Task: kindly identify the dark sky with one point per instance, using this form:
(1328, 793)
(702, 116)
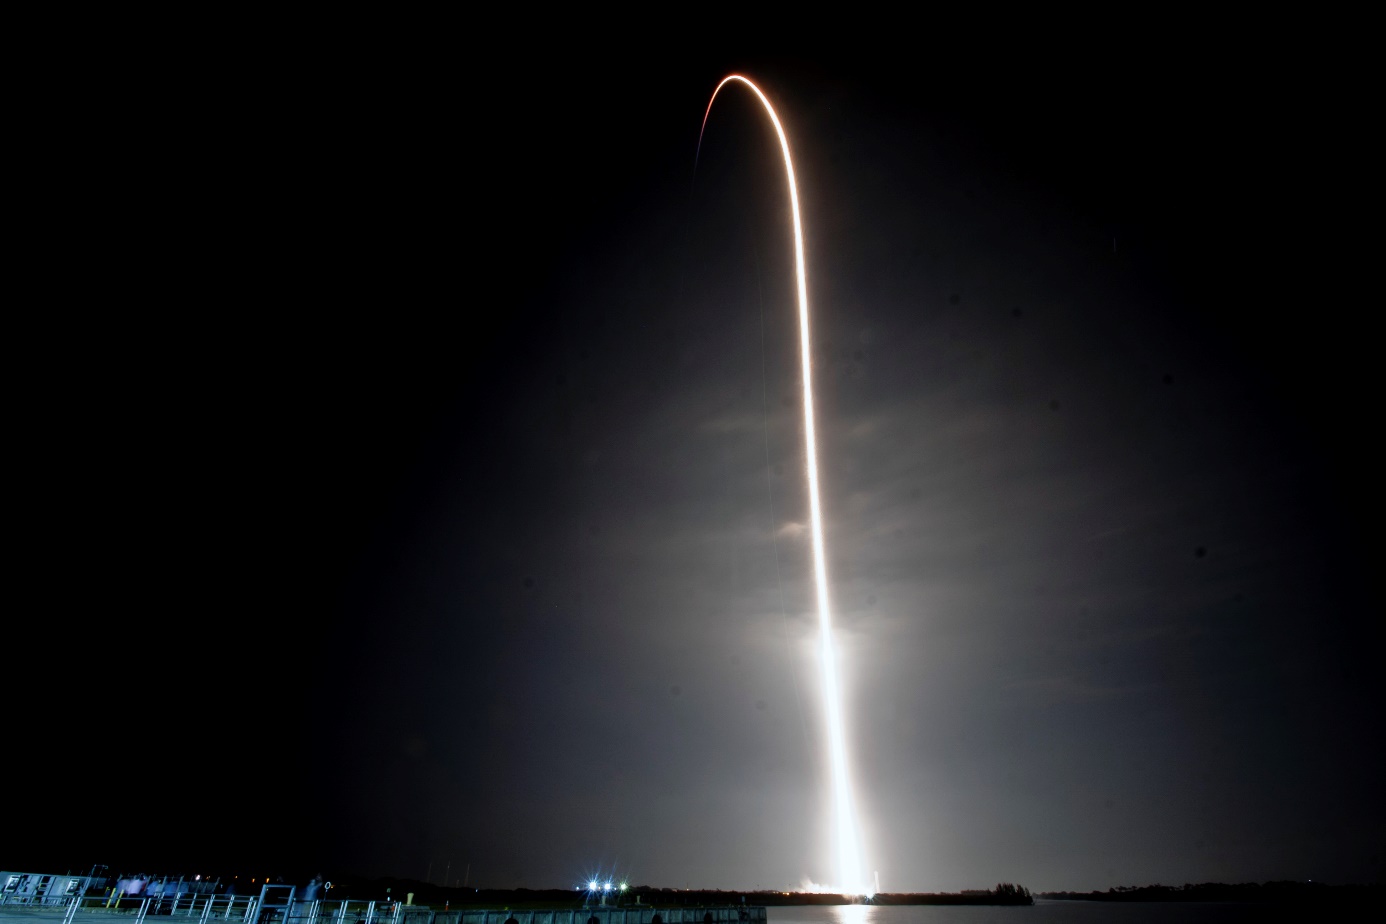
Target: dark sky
(410, 469)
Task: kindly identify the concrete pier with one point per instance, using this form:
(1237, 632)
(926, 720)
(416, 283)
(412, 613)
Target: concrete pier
(93, 911)
(36, 898)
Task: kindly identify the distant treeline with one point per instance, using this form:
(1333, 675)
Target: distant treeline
(1287, 892)
(1005, 893)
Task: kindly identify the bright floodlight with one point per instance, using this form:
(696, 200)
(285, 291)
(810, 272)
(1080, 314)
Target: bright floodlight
(592, 886)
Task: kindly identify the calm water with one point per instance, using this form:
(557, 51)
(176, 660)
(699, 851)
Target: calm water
(1041, 912)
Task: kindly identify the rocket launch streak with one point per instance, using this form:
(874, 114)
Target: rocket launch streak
(851, 873)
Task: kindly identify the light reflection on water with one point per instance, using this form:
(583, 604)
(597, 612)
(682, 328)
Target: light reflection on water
(1042, 912)
(856, 914)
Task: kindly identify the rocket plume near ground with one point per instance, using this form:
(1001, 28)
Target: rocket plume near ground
(851, 877)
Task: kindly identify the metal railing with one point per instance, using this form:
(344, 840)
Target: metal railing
(208, 909)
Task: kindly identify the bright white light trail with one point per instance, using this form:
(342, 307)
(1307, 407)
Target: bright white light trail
(851, 871)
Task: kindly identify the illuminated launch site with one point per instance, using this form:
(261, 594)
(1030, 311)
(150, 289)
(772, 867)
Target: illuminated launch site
(846, 840)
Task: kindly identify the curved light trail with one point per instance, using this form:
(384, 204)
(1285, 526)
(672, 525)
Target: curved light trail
(851, 876)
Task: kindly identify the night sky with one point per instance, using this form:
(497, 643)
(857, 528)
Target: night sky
(409, 471)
